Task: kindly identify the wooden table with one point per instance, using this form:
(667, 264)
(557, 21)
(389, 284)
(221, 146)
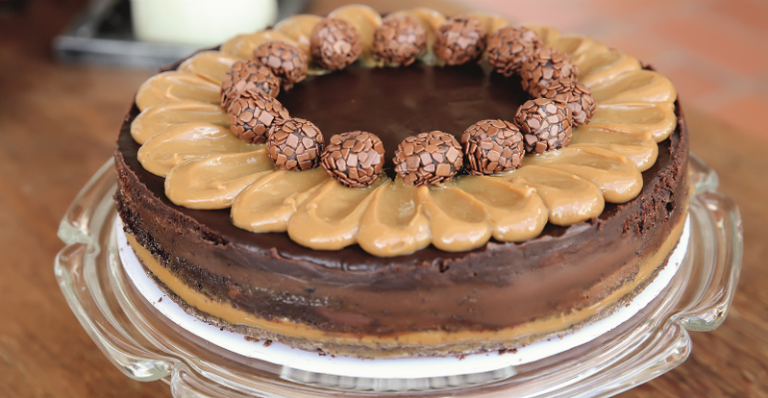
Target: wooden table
(58, 124)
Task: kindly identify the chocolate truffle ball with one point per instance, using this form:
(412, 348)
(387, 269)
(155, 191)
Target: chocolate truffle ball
(354, 159)
(545, 125)
(545, 65)
(248, 75)
(286, 61)
(492, 147)
(428, 158)
(334, 43)
(252, 114)
(575, 95)
(510, 47)
(295, 144)
(399, 40)
(460, 40)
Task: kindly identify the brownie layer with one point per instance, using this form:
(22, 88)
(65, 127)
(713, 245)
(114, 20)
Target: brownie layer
(497, 286)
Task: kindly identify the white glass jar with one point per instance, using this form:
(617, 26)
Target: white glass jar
(200, 23)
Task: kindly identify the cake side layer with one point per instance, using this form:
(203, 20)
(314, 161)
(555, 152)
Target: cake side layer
(496, 286)
(426, 343)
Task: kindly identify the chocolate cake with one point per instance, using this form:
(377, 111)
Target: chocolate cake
(345, 251)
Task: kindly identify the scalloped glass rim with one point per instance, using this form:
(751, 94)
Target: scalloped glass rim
(146, 347)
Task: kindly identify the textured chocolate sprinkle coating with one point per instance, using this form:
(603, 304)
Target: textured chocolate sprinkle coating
(399, 40)
(252, 114)
(428, 158)
(575, 95)
(492, 147)
(510, 47)
(545, 65)
(247, 75)
(334, 43)
(545, 125)
(355, 159)
(286, 61)
(295, 144)
(460, 40)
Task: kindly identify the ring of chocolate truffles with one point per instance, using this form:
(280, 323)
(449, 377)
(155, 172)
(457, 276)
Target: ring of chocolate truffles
(492, 147)
(428, 158)
(334, 43)
(510, 47)
(575, 95)
(286, 61)
(252, 114)
(295, 144)
(399, 40)
(545, 65)
(247, 75)
(460, 40)
(545, 125)
(355, 159)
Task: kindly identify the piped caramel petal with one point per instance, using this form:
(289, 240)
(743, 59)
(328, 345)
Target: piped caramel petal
(394, 224)
(548, 34)
(491, 22)
(640, 86)
(174, 86)
(268, 204)
(516, 212)
(458, 221)
(431, 20)
(214, 181)
(330, 219)
(659, 119)
(569, 198)
(640, 148)
(578, 47)
(601, 67)
(616, 176)
(365, 19)
(242, 46)
(163, 116)
(298, 28)
(186, 142)
(210, 65)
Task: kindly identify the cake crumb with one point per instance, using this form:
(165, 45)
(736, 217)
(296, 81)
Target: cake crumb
(251, 339)
(267, 343)
(507, 351)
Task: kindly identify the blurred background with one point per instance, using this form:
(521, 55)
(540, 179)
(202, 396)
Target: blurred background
(69, 69)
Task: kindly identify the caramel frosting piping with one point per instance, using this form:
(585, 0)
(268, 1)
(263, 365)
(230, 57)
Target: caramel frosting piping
(186, 142)
(163, 116)
(213, 182)
(268, 204)
(242, 46)
(603, 164)
(637, 118)
(174, 86)
(210, 65)
(427, 338)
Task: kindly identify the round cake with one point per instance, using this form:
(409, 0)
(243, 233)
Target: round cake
(406, 185)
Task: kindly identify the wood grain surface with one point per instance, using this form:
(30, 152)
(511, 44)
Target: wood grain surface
(58, 124)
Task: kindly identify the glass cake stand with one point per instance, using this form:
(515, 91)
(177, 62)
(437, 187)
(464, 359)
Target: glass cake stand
(146, 346)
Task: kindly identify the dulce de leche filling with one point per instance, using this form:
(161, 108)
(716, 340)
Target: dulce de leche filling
(425, 338)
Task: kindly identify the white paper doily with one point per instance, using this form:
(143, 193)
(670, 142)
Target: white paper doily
(402, 368)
